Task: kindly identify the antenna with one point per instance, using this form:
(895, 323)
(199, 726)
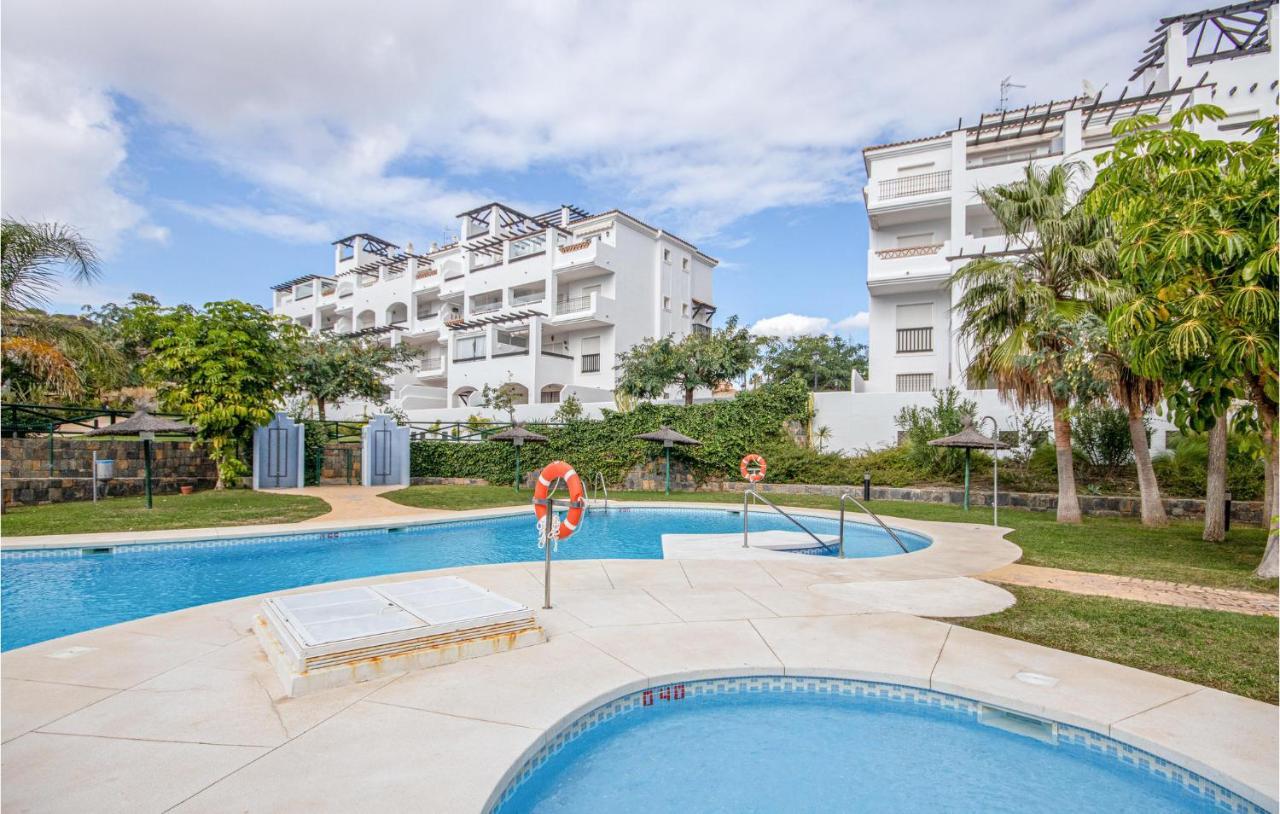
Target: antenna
(1005, 85)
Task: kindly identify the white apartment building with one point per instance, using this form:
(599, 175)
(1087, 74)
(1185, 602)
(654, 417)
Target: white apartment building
(539, 304)
(927, 221)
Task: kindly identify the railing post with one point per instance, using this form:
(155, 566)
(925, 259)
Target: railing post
(842, 497)
(546, 540)
(745, 509)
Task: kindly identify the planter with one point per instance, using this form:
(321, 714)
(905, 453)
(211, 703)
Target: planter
(186, 490)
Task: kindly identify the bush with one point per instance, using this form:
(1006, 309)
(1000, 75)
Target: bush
(728, 430)
(1183, 469)
(921, 425)
(1101, 434)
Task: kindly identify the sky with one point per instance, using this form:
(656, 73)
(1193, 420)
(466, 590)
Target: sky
(211, 150)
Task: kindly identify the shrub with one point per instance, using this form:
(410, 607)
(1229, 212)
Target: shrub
(1101, 434)
(1182, 470)
(921, 425)
(569, 410)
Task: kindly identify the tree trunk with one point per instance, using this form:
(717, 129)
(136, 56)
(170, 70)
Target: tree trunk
(320, 407)
(1068, 502)
(1270, 565)
(1216, 487)
(1148, 488)
(688, 396)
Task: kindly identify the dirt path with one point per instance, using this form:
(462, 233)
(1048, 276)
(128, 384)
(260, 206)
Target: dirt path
(1140, 590)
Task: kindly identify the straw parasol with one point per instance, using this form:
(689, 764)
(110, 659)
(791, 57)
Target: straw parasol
(968, 439)
(518, 436)
(145, 426)
(668, 438)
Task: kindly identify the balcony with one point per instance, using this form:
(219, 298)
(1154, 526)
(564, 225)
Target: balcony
(915, 340)
(431, 367)
(485, 307)
(583, 258)
(912, 185)
(573, 304)
(909, 251)
(592, 310)
(528, 299)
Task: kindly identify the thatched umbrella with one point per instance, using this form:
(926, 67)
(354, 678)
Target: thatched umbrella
(518, 436)
(145, 426)
(669, 438)
(968, 439)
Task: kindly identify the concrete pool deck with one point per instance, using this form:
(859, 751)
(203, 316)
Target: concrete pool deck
(182, 712)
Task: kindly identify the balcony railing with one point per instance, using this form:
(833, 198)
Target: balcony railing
(486, 307)
(909, 251)
(526, 299)
(590, 363)
(922, 184)
(573, 247)
(573, 304)
(915, 340)
(424, 273)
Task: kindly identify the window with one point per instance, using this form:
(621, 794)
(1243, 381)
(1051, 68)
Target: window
(684, 263)
(511, 343)
(915, 327)
(591, 354)
(684, 309)
(914, 382)
(666, 255)
(666, 303)
(913, 240)
(466, 348)
(550, 394)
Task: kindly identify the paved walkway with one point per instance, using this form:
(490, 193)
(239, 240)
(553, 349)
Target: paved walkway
(360, 503)
(1140, 590)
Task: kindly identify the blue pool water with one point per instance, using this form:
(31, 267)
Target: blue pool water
(773, 744)
(50, 594)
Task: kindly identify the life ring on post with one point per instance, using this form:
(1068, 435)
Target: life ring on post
(754, 475)
(559, 470)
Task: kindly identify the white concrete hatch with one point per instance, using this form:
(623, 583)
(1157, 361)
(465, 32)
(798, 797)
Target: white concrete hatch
(338, 637)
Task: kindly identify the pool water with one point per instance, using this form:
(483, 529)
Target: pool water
(828, 745)
(50, 594)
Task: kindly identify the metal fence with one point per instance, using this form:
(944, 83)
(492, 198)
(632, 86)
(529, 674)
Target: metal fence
(22, 420)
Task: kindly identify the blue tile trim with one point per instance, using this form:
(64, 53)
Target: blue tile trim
(1222, 798)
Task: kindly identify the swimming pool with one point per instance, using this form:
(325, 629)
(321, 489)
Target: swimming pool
(52, 593)
(773, 743)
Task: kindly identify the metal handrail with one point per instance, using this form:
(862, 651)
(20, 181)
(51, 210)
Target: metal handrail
(598, 478)
(874, 516)
(745, 512)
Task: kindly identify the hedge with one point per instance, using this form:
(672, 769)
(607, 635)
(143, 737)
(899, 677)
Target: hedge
(728, 429)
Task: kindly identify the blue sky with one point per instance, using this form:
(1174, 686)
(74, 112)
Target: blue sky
(212, 151)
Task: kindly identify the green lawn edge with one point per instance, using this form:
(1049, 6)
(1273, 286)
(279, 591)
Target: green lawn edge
(207, 509)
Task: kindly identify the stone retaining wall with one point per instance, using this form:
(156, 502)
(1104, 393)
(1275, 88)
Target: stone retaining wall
(341, 464)
(1242, 511)
(26, 477)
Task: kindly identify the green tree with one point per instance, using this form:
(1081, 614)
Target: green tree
(1195, 221)
(920, 425)
(226, 369)
(1021, 307)
(647, 370)
(830, 358)
(569, 410)
(46, 356)
(500, 398)
(329, 368)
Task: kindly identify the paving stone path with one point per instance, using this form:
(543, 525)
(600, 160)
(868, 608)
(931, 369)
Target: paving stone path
(1141, 590)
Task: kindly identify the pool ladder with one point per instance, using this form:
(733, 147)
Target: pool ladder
(874, 516)
(746, 511)
(751, 493)
(598, 485)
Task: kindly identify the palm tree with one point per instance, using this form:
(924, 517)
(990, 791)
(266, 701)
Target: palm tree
(1021, 307)
(1135, 394)
(34, 257)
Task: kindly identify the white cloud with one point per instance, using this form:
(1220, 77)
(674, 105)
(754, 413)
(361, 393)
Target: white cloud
(854, 322)
(330, 114)
(247, 219)
(786, 326)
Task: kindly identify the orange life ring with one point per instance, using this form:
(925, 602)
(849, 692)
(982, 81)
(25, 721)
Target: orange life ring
(758, 474)
(577, 503)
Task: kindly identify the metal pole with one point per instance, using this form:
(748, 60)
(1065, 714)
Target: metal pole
(668, 451)
(966, 479)
(745, 509)
(995, 467)
(95, 476)
(866, 485)
(546, 578)
(517, 483)
(51, 449)
(146, 465)
(842, 527)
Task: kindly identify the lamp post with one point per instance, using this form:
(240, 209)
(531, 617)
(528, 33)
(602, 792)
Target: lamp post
(995, 468)
(517, 443)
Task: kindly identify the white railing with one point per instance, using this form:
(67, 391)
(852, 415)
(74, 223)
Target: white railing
(573, 305)
(486, 307)
(909, 251)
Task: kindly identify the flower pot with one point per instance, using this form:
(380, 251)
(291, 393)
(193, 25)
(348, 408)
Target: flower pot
(186, 490)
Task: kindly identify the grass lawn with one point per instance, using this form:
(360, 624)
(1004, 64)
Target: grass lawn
(232, 507)
(1230, 651)
(1101, 544)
